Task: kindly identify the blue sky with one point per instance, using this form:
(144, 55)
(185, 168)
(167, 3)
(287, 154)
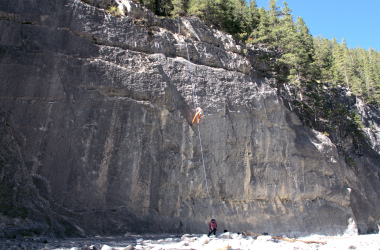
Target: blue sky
(357, 21)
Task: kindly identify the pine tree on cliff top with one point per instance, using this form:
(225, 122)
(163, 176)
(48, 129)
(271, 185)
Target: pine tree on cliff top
(262, 33)
(323, 59)
(356, 69)
(180, 8)
(254, 17)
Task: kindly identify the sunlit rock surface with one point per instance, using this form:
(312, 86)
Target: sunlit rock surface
(97, 135)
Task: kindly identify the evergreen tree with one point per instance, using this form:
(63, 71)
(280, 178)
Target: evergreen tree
(348, 64)
(343, 66)
(323, 59)
(274, 14)
(159, 7)
(209, 13)
(357, 76)
(226, 16)
(287, 31)
(180, 8)
(304, 61)
(373, 76)
(298, 51)
(263, 31)
(307, 50)
(287, 38)
(375, 57)
(242, 20)
(253, 16)
(338, 56)
(197, 8)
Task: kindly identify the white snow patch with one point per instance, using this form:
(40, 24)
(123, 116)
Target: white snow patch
(352, 229)
(238, 241)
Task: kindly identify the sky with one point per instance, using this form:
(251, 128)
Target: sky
(357, 21)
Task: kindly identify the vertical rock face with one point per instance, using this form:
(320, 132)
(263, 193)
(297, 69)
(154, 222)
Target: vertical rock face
(102, 108)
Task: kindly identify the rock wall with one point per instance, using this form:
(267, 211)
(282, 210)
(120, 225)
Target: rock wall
(98, 109)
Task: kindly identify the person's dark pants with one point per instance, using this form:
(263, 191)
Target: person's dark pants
(212, 231)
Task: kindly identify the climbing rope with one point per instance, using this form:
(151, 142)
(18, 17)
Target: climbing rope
(199, 132)
(191, 80)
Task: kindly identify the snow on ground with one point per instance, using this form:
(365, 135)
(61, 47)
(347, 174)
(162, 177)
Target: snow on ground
(232, 241)
(238, 241)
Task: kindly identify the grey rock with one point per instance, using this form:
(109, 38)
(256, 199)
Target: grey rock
(97, 135)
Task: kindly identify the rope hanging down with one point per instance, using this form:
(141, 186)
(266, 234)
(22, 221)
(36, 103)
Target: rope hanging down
(199, 132)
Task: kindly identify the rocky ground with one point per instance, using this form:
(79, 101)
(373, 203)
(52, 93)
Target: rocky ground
(220, 241)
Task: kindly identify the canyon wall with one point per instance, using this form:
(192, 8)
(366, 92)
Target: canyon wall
(97, 138)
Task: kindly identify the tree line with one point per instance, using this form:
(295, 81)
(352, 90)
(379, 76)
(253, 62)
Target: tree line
(312, 69)
(302, 57)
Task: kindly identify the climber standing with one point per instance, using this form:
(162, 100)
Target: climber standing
(198, 115)
(212, 226)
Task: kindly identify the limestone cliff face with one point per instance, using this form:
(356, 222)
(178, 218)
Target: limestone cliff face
(102, 108)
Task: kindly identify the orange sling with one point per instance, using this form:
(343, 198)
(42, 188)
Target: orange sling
(198, 115)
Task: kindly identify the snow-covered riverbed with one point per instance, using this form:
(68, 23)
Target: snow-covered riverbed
(220, 241)
(236, 241)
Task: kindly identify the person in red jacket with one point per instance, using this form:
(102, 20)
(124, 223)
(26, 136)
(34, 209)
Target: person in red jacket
(212, 226)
